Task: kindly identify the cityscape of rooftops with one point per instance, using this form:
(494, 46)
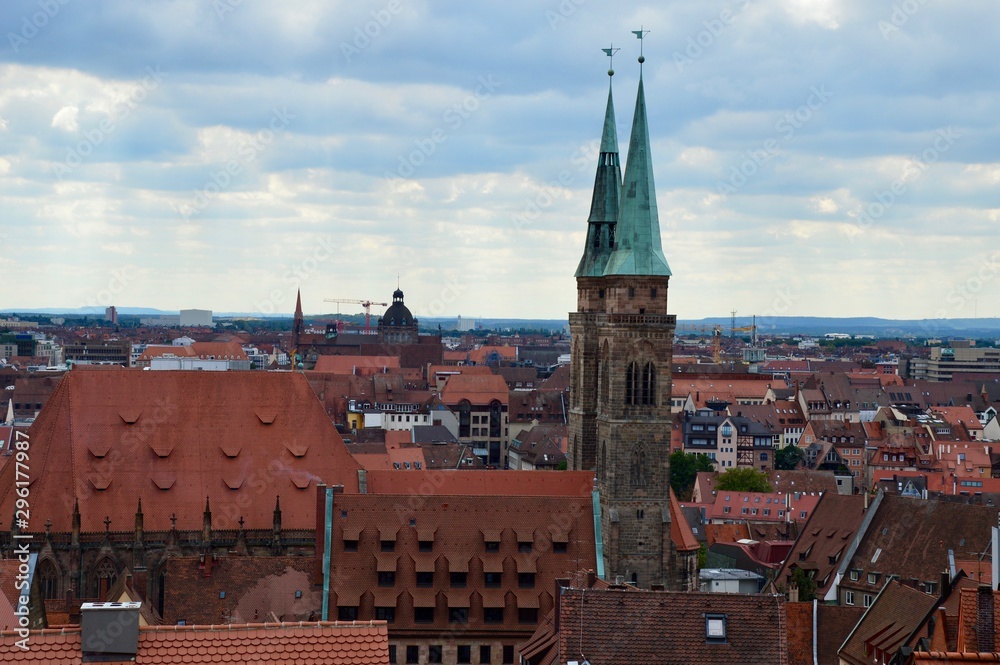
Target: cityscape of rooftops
(340, 332)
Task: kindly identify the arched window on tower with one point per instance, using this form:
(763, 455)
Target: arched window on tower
(577, 357)
(631, 381)
(605, 390)
(648, 388)
(48, 576)
(638, 469)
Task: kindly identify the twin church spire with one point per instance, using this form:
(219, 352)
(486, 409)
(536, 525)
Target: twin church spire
(623, 231)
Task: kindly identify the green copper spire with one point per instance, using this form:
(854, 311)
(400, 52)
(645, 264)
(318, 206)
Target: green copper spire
(606, 199)
(638, 250)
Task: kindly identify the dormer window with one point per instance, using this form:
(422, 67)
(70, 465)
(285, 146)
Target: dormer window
(715, 627)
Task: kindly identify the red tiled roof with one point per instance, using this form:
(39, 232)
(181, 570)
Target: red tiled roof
(825, 538)
(680, 531)
(355, 364)
(617, 626)
(173, 439)
(303, 643)
(481, 483)
(478, 389)
(896, 612)
(217, 350)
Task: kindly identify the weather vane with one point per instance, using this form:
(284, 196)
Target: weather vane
(640, 33)
(610, 52)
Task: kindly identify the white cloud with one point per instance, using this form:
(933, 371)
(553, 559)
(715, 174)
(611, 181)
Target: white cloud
(65, 119)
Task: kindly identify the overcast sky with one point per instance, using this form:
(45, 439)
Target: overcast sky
(812, 157)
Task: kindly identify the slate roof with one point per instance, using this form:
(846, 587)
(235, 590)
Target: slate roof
(108, 438)
(312, 643)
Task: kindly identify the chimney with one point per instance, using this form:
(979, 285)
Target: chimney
(362, 481)
(109, 631)
(984, 619)
(793, 592)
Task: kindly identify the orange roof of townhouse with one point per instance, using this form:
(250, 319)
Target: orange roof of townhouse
(741, 388)
(214, 350)
(433, 370)
(477, 389)
(106, 439)
(487, 352)
(355, 364)
(751, 506)
(308, 643)
(961, 415)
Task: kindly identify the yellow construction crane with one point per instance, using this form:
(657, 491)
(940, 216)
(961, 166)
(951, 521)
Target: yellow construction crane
(367, 304)
(716, 331)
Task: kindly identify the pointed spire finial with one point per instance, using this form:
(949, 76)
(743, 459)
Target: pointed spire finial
(610, 52)
(107, 525)
(173, 521)
(640, 33)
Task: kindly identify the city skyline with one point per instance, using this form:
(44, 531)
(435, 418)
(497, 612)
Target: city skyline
(220, 156)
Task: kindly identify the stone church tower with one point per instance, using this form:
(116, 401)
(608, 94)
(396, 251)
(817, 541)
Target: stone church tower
(622, 350)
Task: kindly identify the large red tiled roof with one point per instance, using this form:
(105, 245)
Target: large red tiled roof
(107, 439)
(481, 483)
(304, 643)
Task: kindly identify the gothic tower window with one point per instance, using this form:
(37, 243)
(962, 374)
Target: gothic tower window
(631, 379)
(638, 469)
(605, 378)
(575, 383)
(648, 396)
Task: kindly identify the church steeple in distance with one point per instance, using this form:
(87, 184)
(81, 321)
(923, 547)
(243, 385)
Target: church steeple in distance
(607, 193)
(638, 249)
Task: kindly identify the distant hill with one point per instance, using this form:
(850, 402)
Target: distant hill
(776, 325)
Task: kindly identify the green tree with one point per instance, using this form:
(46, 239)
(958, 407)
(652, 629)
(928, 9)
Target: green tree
(743, 479)
(806, 584)
(684, 468)
(788, 458)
